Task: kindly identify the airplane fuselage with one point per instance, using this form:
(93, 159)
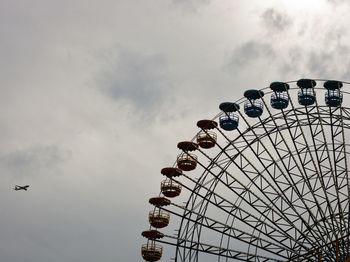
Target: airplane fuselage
(21, 187)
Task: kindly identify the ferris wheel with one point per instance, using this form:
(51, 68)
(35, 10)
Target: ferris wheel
(265, 180)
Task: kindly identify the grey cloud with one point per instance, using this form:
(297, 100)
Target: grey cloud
(190, 5)
(249, 52)
(33, 160)
(134, 78)
(337, 1)
(320, 63)
(275, 21)
(326, 64)
(290, 64)
(327, 55)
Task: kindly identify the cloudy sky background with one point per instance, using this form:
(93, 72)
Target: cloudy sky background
(95, 96)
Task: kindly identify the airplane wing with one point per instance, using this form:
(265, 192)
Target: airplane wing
(17, 187)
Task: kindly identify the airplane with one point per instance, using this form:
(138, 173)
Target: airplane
(17, 187)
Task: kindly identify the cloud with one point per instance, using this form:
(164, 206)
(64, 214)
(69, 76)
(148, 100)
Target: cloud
(191, 6)
(325, 63)
(275, 21)
(136, 79)
(248, 53)
(337, 1)
(33, 160)
(320, 63)
(318, 55)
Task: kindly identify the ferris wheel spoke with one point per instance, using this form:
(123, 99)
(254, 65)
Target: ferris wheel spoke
(279, 217)
(339, 175)
(319, 187)
(193, 204)
(269, 234)
(275, 178)
(242, 215)
(318, 123)
(308, 164)
(327, 170)
(236, 233)
(316, 186)
(346, 164)
(291, 186)
(215, 250)
(303, 166)
(339, 249)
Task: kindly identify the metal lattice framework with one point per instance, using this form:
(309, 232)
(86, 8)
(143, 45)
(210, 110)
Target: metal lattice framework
(276, 188)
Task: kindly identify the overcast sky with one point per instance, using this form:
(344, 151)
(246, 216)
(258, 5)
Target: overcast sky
(95, 96)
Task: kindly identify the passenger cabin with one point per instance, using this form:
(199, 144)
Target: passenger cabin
(279, 99)
(333, 96)
(229, 120)
(253, 107)
(170, 188)
(158, 218)
(187, 161)
(205, 138)
(151, 252)
(306, 96)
